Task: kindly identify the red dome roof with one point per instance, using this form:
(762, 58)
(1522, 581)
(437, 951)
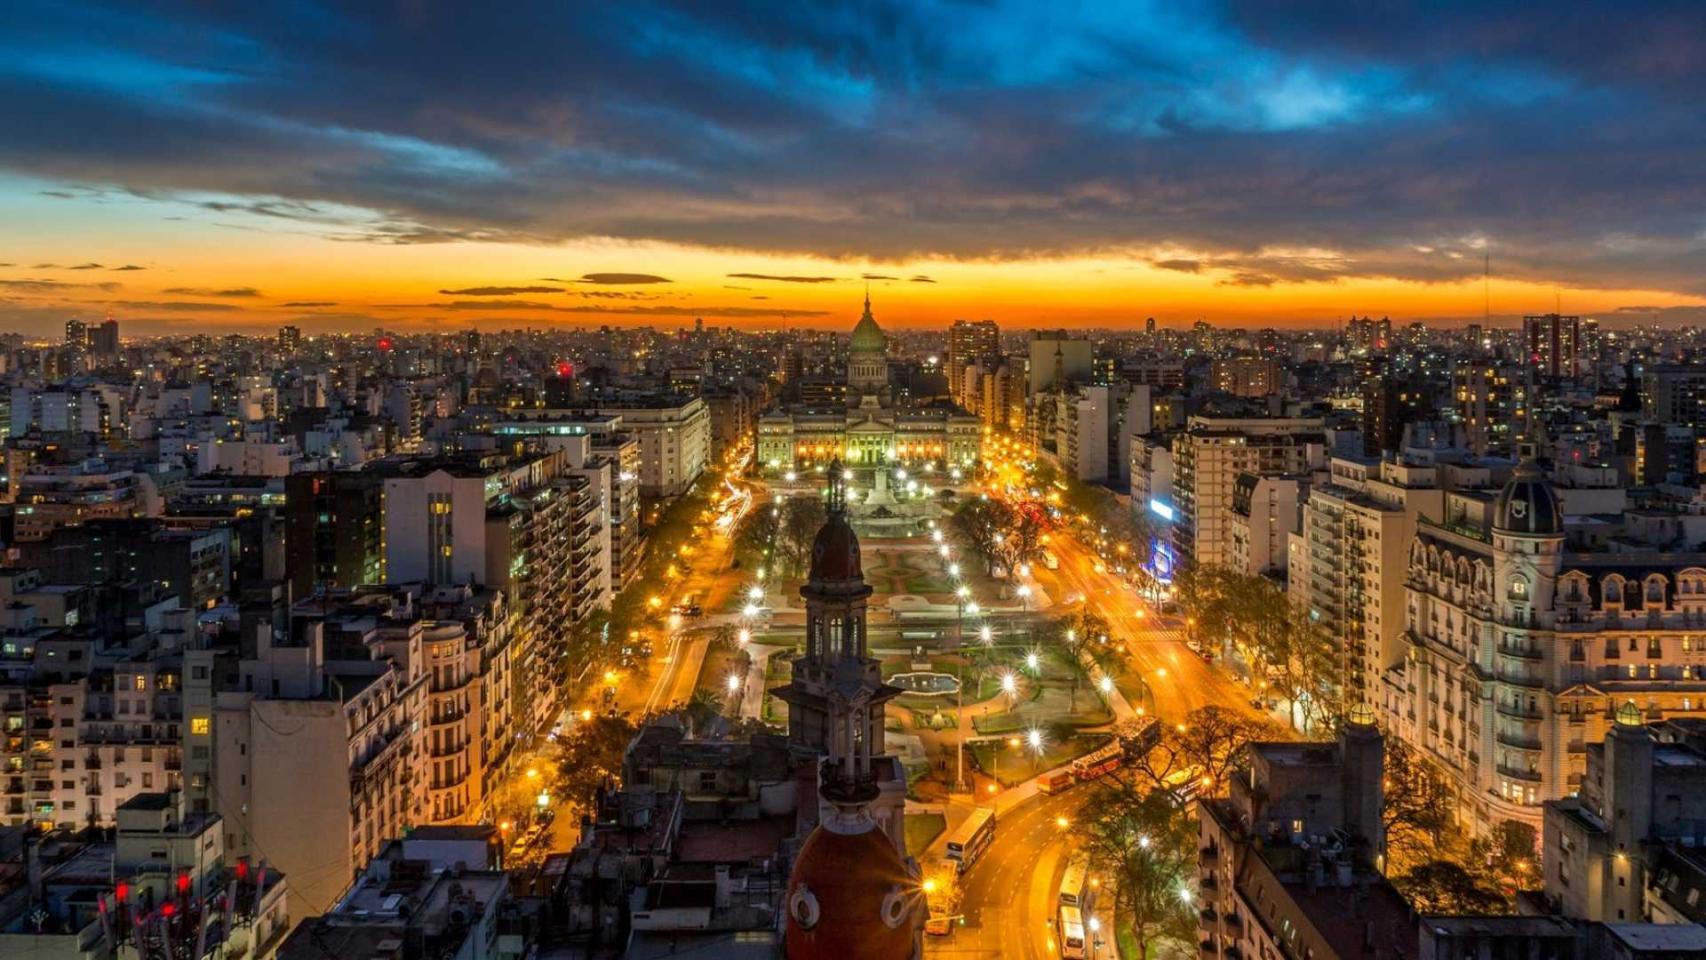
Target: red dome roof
(851, 898)
(835, 552)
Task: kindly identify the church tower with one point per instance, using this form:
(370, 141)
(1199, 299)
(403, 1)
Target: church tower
(836, 696)
(853, 893)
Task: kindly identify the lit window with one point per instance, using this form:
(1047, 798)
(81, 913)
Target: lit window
(201, 726)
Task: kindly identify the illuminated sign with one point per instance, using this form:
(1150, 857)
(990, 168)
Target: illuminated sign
(1161, 510)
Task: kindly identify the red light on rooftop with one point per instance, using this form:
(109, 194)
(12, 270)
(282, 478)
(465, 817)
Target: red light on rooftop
(565, 369)
(385, 344)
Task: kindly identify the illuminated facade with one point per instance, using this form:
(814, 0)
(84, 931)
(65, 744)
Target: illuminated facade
(869, 431)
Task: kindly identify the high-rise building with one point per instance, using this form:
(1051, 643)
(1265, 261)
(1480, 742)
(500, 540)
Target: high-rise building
(104, 340)
(1674, 393)
(1208, 457)
(971, 343)
(1552, 343)
(333, 523)
(289, 339)
(76, 335)
(1246, 376)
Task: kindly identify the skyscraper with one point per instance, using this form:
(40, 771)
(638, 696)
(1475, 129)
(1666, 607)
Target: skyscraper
(1552, 343)
(105, 339)
(970, 342)
(289, 339)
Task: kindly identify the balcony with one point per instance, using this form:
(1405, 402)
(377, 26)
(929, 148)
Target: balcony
(1519, 712)
(1521, 678)
(1525, 651)
(1532, 776)
(1520, 741)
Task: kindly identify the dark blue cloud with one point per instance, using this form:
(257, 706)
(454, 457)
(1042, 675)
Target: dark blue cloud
(1282, 141)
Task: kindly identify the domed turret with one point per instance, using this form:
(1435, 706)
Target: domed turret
(851, 896)
(835, 551)
(867, 336)
(1528, 505)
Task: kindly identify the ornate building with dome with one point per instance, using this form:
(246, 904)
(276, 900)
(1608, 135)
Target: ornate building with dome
(869, 430)
(853, 893)
(1528, 631)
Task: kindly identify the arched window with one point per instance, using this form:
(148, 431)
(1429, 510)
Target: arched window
(1519, 588)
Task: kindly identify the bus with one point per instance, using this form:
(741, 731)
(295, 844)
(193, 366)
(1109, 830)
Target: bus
(1137, 745)
(1050, 784)
(1099, 761)
(1075, 885)
(971, 838)
(1071, 934)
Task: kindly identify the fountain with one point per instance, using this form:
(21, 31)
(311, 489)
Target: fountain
(926, 683)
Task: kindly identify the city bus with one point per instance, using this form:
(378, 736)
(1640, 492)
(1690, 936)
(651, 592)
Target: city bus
(971, 838)
(1071, 934)
(1052, 783)
(1099, 761)
(1075, 885)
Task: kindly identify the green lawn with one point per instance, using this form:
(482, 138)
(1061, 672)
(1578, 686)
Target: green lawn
(720, 661)
(1018, 764)
(921, 829)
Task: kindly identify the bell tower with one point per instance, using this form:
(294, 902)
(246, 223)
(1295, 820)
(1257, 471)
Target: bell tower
(836, 694)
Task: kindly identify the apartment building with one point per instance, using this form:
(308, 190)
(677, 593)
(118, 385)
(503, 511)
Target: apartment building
(1525, 636)
(318, 756)
(77, 744)
(1208, 457)
(1266, 512)
(675, 442)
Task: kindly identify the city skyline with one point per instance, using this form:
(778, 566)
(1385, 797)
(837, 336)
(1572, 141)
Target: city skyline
(209, 171)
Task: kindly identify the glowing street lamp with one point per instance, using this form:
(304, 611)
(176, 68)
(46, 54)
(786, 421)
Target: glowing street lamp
(954, 570)
(942, 551)
(1032, 661)
(972, 608)
(985, 634)
(744, 636)
(750, 610)
(756, 593)
(734, 683)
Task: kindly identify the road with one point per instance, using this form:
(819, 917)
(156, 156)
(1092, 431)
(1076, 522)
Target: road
(1009, 897)
(1177, 680)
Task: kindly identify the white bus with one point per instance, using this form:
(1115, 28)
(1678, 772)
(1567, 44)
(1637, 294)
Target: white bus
(1071, 934)
(1075, 886)
(971, 838)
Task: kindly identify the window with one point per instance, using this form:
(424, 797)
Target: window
(1519, 588)
(201, 726)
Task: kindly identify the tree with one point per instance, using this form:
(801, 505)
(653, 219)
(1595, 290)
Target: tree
(1417, 807)
(977, 524)
(591, 755)
(1148, 844)
(759, 531)
(1021, 539)
(1443, 887)
(802, 518)
(1080, 644)
(1205, 747)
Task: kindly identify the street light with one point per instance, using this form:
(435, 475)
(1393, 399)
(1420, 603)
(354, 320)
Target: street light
(985, 634)
(954, 570)
(756, 593)
(734, 683)
(745, 635)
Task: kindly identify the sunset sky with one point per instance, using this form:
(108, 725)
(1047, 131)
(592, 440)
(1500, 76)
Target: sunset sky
(425, 165)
